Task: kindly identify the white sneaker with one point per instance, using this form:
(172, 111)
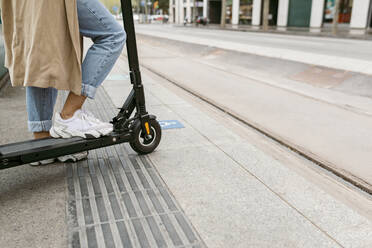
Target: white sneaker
(71, 158)
(43, 162)
(82, 124)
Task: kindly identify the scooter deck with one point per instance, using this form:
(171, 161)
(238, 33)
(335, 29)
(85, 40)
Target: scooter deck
(35, 150)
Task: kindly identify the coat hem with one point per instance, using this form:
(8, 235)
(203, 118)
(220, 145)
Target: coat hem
(58, 86)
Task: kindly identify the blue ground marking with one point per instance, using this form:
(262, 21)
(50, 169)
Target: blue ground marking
(171, 124)
(117, 77)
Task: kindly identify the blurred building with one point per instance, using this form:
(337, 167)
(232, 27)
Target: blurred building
(283, 13)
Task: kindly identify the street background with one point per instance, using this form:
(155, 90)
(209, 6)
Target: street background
(266, 143)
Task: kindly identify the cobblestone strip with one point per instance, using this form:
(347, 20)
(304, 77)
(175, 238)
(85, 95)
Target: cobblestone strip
(117, 199)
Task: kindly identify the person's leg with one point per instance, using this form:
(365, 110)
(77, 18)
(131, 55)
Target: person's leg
(97, 23)
(40, 105)
(72, 104)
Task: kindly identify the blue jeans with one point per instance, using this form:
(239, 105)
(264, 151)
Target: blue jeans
(97, 23)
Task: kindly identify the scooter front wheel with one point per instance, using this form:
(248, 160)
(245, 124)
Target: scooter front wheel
(145, 144)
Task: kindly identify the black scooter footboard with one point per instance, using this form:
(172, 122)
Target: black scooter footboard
(35, 150)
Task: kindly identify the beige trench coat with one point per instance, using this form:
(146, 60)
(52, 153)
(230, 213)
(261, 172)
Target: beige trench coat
(42, 43)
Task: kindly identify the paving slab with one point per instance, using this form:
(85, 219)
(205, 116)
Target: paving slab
(341, 222)
(238, 210)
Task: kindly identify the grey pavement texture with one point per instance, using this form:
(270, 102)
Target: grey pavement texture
(120, 200)
(234, 194)
(330, 126)
(344, 54)
(32, 200)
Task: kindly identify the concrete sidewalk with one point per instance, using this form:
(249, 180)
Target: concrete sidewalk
(32, 199)
(234, 194)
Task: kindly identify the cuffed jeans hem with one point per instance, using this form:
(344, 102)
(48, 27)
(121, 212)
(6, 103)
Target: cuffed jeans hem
(88, 90)
(39, 126)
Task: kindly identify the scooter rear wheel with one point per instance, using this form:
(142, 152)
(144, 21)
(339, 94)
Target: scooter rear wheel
(140, 144)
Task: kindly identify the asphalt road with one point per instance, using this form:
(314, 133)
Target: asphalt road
(349, 55)
(279, 97)
(347, 48)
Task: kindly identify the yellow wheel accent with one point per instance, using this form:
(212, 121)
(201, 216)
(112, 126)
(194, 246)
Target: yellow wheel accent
(147, 128)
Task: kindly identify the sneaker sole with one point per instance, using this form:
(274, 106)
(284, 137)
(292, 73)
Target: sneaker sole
(71, 158)
(43, 162)
(56, 132)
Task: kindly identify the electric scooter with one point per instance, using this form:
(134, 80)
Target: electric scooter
(132, 124)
